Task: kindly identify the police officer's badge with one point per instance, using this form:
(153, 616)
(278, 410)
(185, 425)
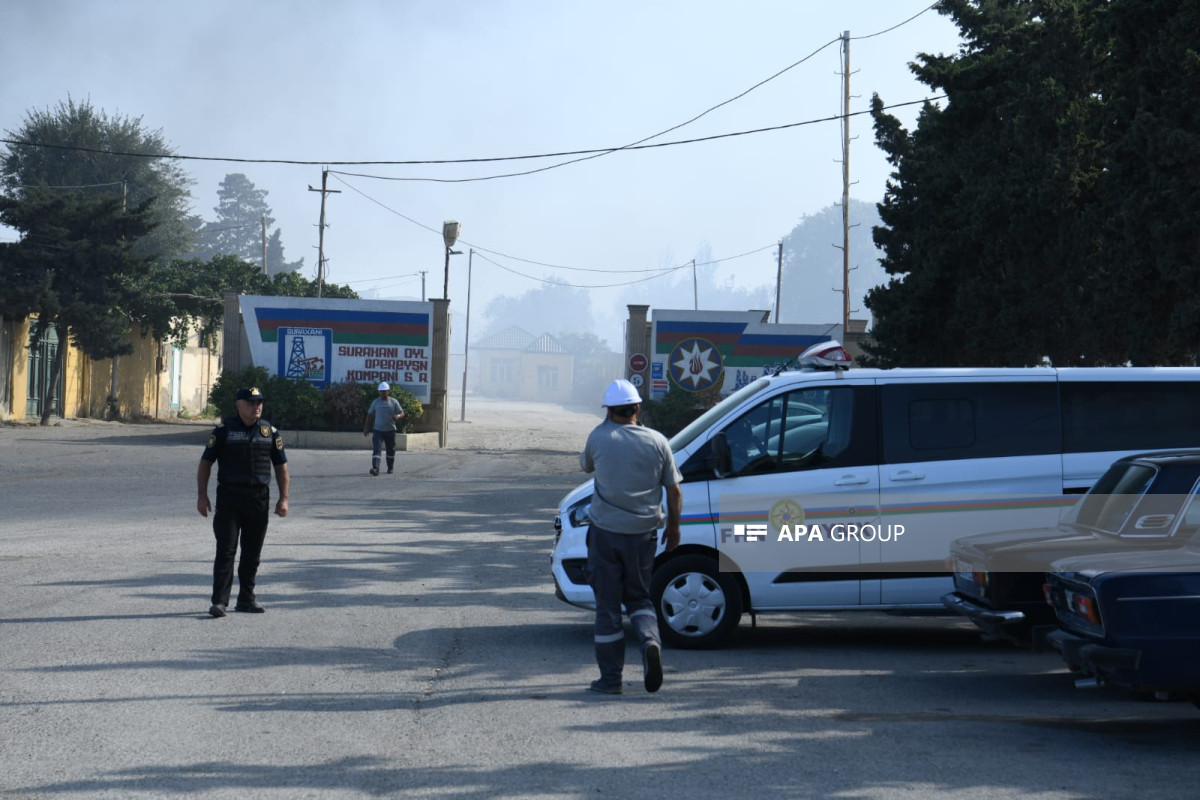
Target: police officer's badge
(265, 430)
(278, 442)
(211, 440)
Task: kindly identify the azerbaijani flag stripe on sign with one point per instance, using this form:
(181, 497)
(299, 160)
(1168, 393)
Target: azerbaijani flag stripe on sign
(351, 327)
(774, 346)
(668, 334)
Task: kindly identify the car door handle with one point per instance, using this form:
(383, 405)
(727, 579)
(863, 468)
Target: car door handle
(906, 475)
(851, 480)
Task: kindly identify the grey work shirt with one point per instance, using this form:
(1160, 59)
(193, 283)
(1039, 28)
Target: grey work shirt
(632, 465)
(384, 411)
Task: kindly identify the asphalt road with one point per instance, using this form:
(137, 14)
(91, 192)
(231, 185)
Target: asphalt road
(412, 646)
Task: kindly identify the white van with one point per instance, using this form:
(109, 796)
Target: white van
(908, 455)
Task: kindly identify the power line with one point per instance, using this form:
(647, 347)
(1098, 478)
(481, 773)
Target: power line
(206, 229)
(481, 249)
(634, 145)
(666, 271)
(662, 272)
(673, 143)
(82, 186)
(384, 278)
(894, 27)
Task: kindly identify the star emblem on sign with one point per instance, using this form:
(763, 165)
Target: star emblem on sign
(696, 364)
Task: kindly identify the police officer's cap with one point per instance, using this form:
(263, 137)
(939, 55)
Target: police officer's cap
(250, 393)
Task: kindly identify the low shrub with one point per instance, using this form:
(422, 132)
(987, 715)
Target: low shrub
(223, 394)
(671, 414)
(298, 405)
(294, 405)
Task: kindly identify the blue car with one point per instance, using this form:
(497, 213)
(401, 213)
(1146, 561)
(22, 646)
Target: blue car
(1130, 620)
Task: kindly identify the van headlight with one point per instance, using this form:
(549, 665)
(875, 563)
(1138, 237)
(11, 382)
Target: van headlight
(578, 514)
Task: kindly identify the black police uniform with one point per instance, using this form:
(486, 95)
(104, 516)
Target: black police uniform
(246, 456)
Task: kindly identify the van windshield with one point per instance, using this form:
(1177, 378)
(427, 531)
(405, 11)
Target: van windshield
(705, 420)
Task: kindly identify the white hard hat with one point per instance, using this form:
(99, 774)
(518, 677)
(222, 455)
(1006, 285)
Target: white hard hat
(383, 387)
(621, 393)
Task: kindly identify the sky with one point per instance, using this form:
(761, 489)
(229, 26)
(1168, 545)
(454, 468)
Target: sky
(424, 80)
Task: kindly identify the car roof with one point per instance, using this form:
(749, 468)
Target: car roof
(1161, 458)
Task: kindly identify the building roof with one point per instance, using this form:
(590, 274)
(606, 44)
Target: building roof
(511, 338)
(546, 344)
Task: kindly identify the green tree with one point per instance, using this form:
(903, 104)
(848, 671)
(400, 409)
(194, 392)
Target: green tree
(186, 295)
(985, 231)
(74, 147)
(550, 307)
(237, 228)
(595, 365)
(77, 267)
(812, 265)
(1149, 191)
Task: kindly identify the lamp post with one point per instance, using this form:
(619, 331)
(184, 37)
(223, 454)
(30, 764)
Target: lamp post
(467, 342)
(450, 229)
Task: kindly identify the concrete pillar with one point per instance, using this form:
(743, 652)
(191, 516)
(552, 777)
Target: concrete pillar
(637, 340)
(437, 413)
(233, 334)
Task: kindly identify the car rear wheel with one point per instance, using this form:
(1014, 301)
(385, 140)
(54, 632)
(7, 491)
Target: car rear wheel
(698, 605)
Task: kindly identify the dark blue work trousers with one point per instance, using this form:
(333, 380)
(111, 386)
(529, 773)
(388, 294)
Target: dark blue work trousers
(621, 565)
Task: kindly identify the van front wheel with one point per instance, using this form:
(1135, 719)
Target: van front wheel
(697, 604)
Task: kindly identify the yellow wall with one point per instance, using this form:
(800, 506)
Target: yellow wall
(143, 391)
(530, 390)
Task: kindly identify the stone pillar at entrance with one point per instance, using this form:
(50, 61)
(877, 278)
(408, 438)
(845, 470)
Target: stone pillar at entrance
(637, 340)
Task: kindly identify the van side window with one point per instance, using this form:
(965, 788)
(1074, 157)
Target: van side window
(949, 421)
(803, 429)
(1149, 415)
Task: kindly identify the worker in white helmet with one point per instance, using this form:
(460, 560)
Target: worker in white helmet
(380, 424)
(632, 465)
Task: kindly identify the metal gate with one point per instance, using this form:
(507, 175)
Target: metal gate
(41, 363)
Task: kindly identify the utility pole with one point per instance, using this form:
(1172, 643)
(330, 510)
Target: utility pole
(264, 242)
(778, 280)
(462, 417)
(845, 183)
(422, 286)
(695, 289)
(321, 235)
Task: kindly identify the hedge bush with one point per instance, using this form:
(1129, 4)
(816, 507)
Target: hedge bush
(298, 405)
(673, 413)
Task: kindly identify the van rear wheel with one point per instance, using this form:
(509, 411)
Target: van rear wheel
(698, 605)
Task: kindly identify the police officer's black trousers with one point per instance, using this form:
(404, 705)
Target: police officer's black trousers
(241, 512)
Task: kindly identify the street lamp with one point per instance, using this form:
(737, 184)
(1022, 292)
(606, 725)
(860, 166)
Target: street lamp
(450, 229)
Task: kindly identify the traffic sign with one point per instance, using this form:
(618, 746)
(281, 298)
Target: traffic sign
(638, 362)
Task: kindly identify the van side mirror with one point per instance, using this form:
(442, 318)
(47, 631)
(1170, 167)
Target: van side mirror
(722, 457)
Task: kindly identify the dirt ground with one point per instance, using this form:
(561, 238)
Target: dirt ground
(493, 424)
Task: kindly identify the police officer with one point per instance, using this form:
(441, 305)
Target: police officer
(247, 448)
(633, 468)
